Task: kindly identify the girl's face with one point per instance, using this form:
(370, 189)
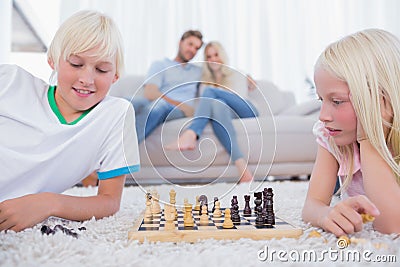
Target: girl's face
(212, 56)
(83, 81)
(337, 112)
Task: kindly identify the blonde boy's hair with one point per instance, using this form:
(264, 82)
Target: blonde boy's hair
(86, 30)
(208, 76)
(369, 62)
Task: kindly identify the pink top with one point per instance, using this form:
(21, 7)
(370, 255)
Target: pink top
(356, 186)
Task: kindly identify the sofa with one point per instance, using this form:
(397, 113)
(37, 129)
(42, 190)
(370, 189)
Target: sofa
(278, 143)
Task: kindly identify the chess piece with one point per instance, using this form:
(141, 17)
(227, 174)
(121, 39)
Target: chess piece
(247, 209)
(155, 207)
(235, 217)
(169, 214)
(257, 200)
(270, 215)
(204, 216)
(264, 194)
(217, 212)
(197, 205)
(203, 201)
(188, 218)
(228, 224)
(259, 219)
(215, 200)
(148, 215)
(172, 201)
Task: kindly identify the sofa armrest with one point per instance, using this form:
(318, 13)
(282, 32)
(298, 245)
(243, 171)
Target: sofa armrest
(303, 109)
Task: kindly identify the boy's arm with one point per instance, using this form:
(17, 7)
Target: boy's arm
(27, 211)
(381, 188)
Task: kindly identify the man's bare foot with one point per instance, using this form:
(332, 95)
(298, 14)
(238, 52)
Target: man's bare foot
(90, 180)
(245, 175)
(187, 141)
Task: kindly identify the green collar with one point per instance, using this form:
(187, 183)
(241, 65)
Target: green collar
(54, 107)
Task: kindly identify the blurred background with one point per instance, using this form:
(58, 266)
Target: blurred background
(276, 40)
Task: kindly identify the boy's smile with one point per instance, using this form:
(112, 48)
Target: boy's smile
(83, 81)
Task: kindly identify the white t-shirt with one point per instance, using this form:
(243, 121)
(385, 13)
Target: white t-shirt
(38, 153)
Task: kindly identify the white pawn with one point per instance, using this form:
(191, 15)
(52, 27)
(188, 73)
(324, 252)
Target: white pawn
(155, 207)
(217, 211)
(148, 216)
(187, 218)
(228, 221)
(204, 215)
(169, 214)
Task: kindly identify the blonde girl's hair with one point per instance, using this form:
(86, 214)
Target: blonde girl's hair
(86, 30)
(369, 62)
(208, 76)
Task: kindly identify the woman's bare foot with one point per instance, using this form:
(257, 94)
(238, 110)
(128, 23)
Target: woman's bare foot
(187, 141)
(91, 180)
(245, 175)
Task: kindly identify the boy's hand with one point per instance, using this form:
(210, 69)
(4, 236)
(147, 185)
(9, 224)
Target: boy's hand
(345, 217)
(24, 212)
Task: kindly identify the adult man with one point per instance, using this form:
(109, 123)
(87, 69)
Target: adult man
(169, 87)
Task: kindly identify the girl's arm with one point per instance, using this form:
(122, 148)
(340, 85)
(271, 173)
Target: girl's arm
(27, 211)
(344, 217)
(381, 188)
(320, 190)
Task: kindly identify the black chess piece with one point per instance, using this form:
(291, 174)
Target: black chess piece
(264, 193)
(257, 200)
(259, 219)
(213, 208)
(247, 209)
(270, 215)
(235, 217)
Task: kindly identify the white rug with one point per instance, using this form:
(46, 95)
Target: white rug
(104, 242)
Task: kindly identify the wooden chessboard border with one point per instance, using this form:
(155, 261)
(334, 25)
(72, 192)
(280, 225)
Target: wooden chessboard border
(193, 236)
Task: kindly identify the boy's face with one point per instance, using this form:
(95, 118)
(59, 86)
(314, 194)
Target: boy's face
(83, 81)
(337, 112)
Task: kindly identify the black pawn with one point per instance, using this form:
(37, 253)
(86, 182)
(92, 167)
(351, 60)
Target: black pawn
(247, 209)
(235, 217)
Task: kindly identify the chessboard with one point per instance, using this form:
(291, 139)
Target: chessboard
(155, 230)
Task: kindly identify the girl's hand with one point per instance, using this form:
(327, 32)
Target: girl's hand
(345, 217)
(24, 212)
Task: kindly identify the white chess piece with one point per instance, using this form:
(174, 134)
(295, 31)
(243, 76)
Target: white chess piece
(148, 215)
(204, 215)
(169, 214)
(228, 221)
(217, 211)
(155, 207)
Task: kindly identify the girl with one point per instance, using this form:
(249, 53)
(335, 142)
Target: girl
(358, 82)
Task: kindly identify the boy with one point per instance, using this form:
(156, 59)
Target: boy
(51, 137)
